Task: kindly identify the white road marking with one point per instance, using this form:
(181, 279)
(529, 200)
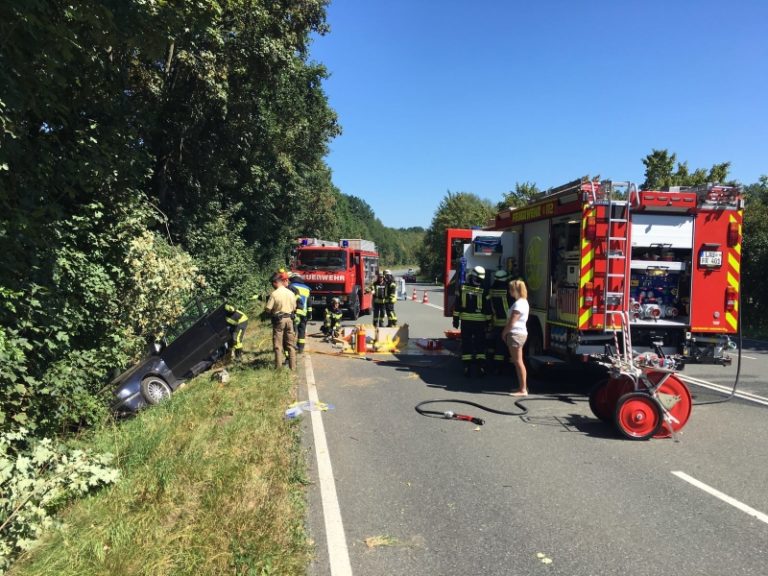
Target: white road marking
(724, 497)
(725, 389)
(749, 357)
(338, 553)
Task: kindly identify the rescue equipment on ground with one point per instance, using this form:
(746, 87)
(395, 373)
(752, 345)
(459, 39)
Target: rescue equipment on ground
(643, 396)
(360, 344)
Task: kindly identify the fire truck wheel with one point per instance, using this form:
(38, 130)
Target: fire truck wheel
(638, 416)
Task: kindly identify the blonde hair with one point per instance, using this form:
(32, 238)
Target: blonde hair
(519, 288)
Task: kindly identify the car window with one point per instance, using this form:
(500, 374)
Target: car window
(192, 312)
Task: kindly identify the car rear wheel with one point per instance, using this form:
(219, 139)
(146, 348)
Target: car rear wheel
(155, 390)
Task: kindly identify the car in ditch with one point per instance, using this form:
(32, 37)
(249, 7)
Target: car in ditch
(198, 339)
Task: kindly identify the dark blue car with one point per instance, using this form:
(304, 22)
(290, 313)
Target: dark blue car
(199, 339)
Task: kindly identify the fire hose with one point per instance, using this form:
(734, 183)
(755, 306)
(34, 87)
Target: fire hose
(451, 415)
(738, 368)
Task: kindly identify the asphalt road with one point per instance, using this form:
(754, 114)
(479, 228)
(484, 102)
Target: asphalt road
(554, 492)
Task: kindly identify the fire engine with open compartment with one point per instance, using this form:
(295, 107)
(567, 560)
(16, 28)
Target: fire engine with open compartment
(589, 250)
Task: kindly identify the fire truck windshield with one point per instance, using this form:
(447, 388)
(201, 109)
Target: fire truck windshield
(321, 260)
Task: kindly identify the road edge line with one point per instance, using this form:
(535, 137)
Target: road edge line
(338, 553)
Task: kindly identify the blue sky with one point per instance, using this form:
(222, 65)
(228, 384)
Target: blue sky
(476, 95)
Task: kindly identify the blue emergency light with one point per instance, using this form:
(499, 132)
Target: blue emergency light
(345, 243)
(304, 241)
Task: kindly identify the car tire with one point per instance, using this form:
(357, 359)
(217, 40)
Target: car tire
(154, 390)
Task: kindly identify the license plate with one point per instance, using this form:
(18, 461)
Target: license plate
(710, 259)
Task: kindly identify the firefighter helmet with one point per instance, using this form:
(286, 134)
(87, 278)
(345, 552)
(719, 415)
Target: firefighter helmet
(501, 275)
(229, 308)
(336, 301)
(478, 271)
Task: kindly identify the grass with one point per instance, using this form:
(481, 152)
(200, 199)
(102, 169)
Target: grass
(212, 483)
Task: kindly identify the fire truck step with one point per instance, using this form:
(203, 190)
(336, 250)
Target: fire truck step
(545, 360)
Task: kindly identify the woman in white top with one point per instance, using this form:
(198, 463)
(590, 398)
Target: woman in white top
(515, 333)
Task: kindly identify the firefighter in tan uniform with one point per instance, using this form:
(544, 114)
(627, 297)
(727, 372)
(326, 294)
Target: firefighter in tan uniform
(282, 307)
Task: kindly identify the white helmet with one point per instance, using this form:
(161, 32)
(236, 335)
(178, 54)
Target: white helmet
(479, 271)
(501, 275)
(387, 272)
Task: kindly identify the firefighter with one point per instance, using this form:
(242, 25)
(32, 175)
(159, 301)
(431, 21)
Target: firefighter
(391, 298)
(332, 324)
(281, 305)
(237, 322)
(379, 291)
(303, 308)
(472, 312)
(500, 301)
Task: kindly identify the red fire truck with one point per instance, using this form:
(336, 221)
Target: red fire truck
(589, 250)
(340, 269)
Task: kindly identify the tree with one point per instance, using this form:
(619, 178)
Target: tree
(659, 173)
(755, 258)
(456, 210)
(520, 196)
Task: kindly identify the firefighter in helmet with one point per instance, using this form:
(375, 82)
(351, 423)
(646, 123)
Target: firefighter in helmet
(472, 312)
(379, 291)
(303, 308)
(391, 298)
(500, 301)
(237, 322)
(332, 325)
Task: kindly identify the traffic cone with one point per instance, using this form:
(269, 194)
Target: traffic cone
(425, 300)
(414, 297)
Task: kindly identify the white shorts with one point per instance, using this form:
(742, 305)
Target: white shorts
(515, 340)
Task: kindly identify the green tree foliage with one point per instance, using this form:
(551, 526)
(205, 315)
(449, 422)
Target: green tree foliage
(456, 210)
(660, 172)
(754, 259)
(147, 148)
(520, 196)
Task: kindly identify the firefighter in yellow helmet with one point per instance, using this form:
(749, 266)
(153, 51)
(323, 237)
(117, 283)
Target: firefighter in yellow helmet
(237, 322)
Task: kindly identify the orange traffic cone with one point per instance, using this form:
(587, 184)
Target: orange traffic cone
(414, 297)
(425, 300)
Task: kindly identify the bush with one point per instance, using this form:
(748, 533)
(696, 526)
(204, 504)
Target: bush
(37, 478)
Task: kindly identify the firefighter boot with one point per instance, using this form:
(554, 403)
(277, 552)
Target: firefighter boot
(467, 370)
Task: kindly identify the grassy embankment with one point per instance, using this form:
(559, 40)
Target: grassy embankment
(212, 483)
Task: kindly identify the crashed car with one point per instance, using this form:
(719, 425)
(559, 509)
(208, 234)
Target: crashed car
(199, 338)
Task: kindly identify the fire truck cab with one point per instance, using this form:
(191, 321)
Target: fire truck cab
(340, 269)
(590, 251)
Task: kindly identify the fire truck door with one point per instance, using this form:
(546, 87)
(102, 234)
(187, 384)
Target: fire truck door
(715, 276)
(535, 263)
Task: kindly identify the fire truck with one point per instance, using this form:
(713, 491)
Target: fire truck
(591, 250)
(340, 269)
